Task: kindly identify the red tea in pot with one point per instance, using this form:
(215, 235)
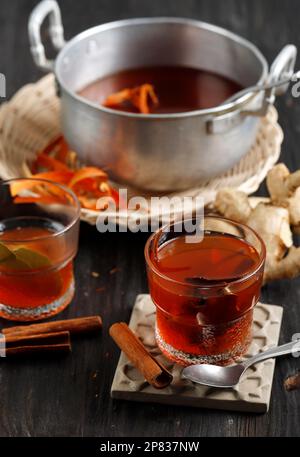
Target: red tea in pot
(204, 294)
(178, 88)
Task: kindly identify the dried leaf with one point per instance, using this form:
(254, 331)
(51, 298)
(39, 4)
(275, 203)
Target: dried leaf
(33, 259)
(22, 259)
(5, 253)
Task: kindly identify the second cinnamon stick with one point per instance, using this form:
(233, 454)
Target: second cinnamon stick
(35, 344)
(74, 326)
(156, 374)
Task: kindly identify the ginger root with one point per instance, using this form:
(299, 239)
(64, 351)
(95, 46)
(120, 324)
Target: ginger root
(284, 189)
(271, 218)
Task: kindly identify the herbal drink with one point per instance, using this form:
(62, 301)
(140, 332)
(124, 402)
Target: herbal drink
(178, 88)
(38, 242)
(205, 291)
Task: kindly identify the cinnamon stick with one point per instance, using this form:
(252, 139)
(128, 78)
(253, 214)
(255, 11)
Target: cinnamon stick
(35, 344)
(74, 326)
(155, 373)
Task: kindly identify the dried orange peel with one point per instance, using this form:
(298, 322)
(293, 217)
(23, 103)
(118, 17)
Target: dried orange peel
(141, 97)
(45, 161)
(59, 164)
(62, 177)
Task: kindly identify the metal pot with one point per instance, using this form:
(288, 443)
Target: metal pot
(157, 152)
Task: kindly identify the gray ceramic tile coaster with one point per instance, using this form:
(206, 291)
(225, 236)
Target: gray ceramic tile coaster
(251, 395)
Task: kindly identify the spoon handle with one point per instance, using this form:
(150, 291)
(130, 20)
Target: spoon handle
(288, 348)
(263, 87)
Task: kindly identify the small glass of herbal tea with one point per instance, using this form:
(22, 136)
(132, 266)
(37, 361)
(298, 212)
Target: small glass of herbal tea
(205, 288)
(39, 227)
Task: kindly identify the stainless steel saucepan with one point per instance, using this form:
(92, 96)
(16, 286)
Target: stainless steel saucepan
(158, 152)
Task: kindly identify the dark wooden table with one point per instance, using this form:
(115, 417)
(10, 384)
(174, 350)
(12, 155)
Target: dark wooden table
(70, 397)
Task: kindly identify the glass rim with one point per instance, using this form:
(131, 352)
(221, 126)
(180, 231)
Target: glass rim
(150, 264)
(54, 234)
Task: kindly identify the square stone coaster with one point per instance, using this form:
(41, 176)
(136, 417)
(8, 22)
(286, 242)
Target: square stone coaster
(251, 395)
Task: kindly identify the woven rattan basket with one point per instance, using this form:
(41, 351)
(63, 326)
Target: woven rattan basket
(31, 120)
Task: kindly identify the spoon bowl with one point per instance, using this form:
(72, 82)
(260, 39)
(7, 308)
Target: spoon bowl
(216, 376)
(213, 375)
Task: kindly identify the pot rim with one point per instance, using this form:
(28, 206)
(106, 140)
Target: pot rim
(214, 111)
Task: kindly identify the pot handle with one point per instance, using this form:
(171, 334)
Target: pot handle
(281, 68)
(39, 14)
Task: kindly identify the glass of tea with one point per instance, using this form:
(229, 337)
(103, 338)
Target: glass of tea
(204, 288)
(39, 227)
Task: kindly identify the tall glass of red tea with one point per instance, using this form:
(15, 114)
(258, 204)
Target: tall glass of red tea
(205, 288)
(39, 226)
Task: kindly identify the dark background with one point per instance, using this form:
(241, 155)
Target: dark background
(70, 397)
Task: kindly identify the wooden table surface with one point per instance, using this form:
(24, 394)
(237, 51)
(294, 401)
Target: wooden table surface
(71, 396)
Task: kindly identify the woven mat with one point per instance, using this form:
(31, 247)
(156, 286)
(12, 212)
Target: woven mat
(31, 120)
